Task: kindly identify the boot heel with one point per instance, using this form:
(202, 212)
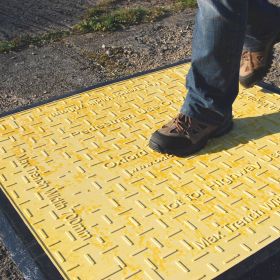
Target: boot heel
(222, 131)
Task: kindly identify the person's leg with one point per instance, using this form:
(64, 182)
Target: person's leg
(212, 80)
(263, 24)
(217, 46)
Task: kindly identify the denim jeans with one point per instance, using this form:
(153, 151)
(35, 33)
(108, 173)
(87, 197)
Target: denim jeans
(223, 28)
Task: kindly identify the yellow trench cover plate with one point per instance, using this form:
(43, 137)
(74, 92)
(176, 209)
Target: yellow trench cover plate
(104, 206)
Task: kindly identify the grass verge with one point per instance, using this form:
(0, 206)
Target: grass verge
(101, 19)
(187, 3)
(106, 16)
(25, 41)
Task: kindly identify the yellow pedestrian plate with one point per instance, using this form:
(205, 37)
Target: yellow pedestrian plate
(103, 205)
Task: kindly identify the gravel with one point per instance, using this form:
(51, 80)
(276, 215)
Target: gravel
(8, 270)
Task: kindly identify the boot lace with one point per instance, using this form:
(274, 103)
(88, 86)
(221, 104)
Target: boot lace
(187, 125)
(247, 56)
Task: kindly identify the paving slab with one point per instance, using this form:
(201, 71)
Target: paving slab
(99, 203)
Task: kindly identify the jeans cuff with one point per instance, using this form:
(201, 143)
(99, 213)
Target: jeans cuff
(206, 116)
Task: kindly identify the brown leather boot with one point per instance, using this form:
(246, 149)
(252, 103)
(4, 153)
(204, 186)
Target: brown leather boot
(184, 135)
(255, 65)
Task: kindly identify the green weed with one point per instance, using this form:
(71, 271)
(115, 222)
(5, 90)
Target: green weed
(27, 40)
(101, 19)
(187, 3)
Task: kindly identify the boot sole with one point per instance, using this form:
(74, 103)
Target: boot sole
(251, 80)
(254, 78)
(181, 153)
